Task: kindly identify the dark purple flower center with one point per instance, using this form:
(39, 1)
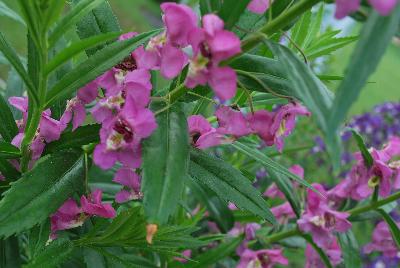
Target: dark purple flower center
(123, 128)
(195, 137)
(128, 64)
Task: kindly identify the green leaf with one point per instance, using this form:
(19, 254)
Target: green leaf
(78, 47)
(320, 251)
(212, 256)
(313, 93)
(8, 127)
(286, 187)
(248, 23)
(126, 260)
(8, 171)
(53, 255)
(10, 253)
(269, 164)
(95, 66)
(100, 20)
(31, 19)
(231, 11)
(8, 12)
(9, 151)
(361, 67)
(53, 12)
(394, 228)
(228, 183)
(219, 211)
(350, 249)
(40, 191)
(12, 57)
(324, 47)
(209, 6)
(369, 161)
(165, 165)
(301, 29)
(76, 139)
(76, 13)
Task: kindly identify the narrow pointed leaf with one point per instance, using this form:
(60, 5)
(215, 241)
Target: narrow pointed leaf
(231, 11)
(53, 255)
(361, 67)
(8, 171)
(9, 151)
(228, 183)
(8, 12)
(8, 127)
(165, 165)
(96, 65)
(350, 249)
(41, 191)
(394, 228)
(363, 148)
(319, 250)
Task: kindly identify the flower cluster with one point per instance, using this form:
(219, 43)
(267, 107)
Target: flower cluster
(70, 215)
(346, 7)
(271, 127)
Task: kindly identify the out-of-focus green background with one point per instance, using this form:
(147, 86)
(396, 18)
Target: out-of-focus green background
(142, 15)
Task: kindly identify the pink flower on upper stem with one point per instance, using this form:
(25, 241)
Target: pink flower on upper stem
(260, 122)
(202, 134)
(128, 178)
(283, 212)
(284, 122)
(93, 206)
(334, 253)
(382, 241)
(76, 111)
(346, 7)
(232, 122)
(259, 6)
(164, 51)
(274, 192)
(320, 220)
(211, 45)
(265, 258)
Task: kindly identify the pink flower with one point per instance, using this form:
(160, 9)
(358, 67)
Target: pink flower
(211, 45)
(320, 220)
(94, 207)
(260, 122)
(382, 241)
(285, 120)
(274, 192)
(202, 134)
(76, 111)
(120, 136)
(232, 122)
(383, 7)
(164, 51)
(346, 7)
(186, 253)
(266, 258)
(259, 6)
(334, 254)
(128, 178)
(283, 212)
(88, 93)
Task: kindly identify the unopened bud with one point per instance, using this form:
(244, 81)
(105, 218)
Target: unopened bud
(151, 230)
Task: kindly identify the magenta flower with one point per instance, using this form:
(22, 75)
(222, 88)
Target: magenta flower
(382, 241)
(164, 51)
(202, 134)
(266, 258)
(383, 7)
(320, 220)
(94, 207)
(346, 7)
(88, 93)
(283, 212)
(186, 253)
(284, 122)
(232, 122)
(211, 45)
(259, 6)
(260, 123)
(274, 192)
(76, 111)
(313, 259)
(128, 178)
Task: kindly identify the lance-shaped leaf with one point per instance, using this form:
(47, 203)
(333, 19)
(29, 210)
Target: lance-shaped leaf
(165, 165)
(350, 249)
(8, 127)
(269, 164)
(369, 161)
(376, 35)
(12, 57)
(8, 171)
(99, 20)
(9, 151)
(8, 12)
(394, 228)
(76, 13)
(320, 251)
(209, 6)
(231, 11)
(78, 47)
(41, 191)
(96, 65)
(228, 183)
(53, 255)
(76, 139)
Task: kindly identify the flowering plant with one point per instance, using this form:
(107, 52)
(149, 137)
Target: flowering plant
(100, 165)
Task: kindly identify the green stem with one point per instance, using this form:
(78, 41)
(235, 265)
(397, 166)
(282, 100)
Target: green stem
(278, 23)
(176, 93)
(282, 235)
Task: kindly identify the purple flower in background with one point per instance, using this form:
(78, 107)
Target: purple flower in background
(259, 6)
(202, 134)
(274, 192)
(265, 258)
(232, 122)
(333, 252)
(382, 241)
(131, 180)
(93, 206)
